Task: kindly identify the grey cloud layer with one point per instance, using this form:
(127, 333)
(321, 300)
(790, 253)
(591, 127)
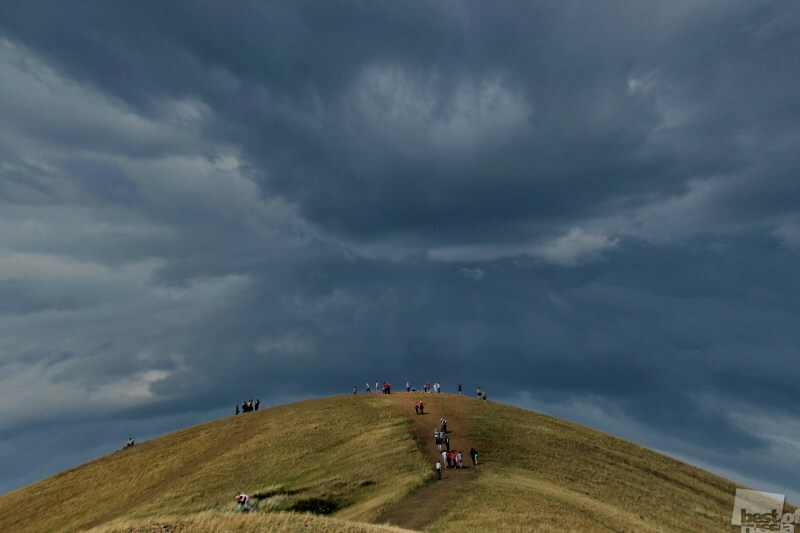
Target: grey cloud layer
(576, 204)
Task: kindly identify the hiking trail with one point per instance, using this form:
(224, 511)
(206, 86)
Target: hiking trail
(423, 505)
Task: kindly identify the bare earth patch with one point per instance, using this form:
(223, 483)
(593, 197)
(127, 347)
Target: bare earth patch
(424, 505)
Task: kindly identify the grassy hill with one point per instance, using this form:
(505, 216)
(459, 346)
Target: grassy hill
(369, 458)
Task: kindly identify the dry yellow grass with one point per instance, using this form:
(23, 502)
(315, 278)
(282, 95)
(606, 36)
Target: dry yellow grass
(537, 474)
(542, 474)
(210, 522)
(336, 448)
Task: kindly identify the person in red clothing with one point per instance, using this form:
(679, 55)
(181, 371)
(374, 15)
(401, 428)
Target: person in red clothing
(421, 408)
(416, 407)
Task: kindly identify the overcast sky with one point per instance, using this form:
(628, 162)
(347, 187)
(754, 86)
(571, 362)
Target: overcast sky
(590, 209)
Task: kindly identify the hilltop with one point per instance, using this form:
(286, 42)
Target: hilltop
(367, 459)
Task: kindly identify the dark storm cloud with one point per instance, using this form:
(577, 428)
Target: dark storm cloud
(474, 115)
(576, 204)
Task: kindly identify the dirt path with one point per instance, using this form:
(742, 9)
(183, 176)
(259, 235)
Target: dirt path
(424, 505)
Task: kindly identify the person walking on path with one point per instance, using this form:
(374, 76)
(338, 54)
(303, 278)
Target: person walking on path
(460, 391)
(367, 387)
(244, 502)
(444, 459)
(408, 386)
(376, 386)
(416, 407)
(444, 425)
(439, 469)
(354, 389)
(421, 408)
(474, 454)
(258, 402)
(459, 460)
(237, 409)
(447, 442)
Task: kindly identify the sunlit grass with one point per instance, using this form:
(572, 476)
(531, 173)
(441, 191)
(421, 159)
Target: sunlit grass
(208, 522)
(334, 448)
(537, 474)
(542, 474)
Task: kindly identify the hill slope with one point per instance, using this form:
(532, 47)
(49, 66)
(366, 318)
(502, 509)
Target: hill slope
(372, 456)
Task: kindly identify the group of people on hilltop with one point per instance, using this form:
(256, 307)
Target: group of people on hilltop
(248, 406)
(437, 387)
(386, 388)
